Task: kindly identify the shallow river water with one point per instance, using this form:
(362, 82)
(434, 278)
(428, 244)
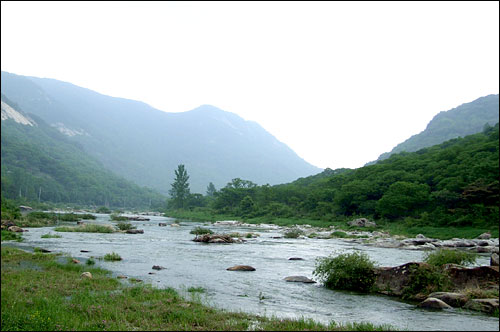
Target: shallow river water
(191, 264)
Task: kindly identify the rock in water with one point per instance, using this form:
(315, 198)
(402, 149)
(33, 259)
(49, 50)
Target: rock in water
(295, 259)
(494, 259)
(241, 268)
(299, 279)
(158, 267)
(453, 299)
(433, 303)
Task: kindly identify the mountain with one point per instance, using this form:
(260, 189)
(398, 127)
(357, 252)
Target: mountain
(38, 162)
(146, 145)
(466, 119)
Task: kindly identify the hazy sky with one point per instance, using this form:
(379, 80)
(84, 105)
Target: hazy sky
(339, 83)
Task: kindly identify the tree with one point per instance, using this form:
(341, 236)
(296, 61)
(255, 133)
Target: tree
(180, 188)
(211, 190)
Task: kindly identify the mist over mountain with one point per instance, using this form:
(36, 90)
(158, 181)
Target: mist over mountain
(466, 119)
(145, 145)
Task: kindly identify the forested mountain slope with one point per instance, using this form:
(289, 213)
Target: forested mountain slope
(38, 162)
(466, 119)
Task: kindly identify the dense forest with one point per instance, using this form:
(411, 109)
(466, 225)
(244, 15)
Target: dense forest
(40, 164)
(451, 184)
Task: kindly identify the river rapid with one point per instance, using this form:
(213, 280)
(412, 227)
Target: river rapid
(264, 292)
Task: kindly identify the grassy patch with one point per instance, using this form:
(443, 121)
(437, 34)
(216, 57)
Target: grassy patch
(196, 290)
(124, 226)
(449, 256)
(116, 217)
(87, 228)
(11, 236)
(54, 297)
(51, 236)
(112, 257)
(201, 230)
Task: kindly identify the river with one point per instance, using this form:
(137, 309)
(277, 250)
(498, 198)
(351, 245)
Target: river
(264, 292)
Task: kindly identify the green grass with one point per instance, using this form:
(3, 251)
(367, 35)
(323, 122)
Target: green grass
(124, 226)
(11, 236)
(112, 257)
(51, 236)
(46, 295)
(200, 230)
(196, 290)
(293, 233)
(449, 256)
(87, 228)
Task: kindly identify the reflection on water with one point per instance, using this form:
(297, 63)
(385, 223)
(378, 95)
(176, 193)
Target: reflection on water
(263, 291)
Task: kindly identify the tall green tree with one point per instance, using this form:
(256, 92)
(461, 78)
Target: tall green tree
(211, 190)
(180, 188)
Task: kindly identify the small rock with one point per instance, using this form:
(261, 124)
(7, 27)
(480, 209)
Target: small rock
(420, 236)
(15, 229)
(44, 250)
(299, 279)
(86, 275)
(295, 259)
(75, 261)
(494, 259)
(84, 251)
(151, 273)
(174, 225)
(241, 268)
(158, 267)
(135, 231)
(485, 236)
(433, 303)
(162, 224)
(122, 277)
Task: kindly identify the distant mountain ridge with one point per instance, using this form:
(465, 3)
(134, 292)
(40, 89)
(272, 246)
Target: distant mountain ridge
(466, 119)
(145, 145)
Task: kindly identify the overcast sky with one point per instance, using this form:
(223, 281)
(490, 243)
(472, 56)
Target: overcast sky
(339, 83)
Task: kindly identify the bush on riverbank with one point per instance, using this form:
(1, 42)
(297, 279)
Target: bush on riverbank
(103, 303)
(125, 226)
(11, 236)
(449, 256)
(424, 280)
(353, 271)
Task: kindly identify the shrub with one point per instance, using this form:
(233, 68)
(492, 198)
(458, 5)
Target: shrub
(112, 257)
(123, 226)
(103, 209)
(426, 279)
(201, 230)
(449, 256)
(90, 261)
(11, 236)
(293, 234)
(352, 271)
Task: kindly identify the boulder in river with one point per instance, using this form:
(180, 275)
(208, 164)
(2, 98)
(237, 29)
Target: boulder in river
(214, 238)
(295, 259)
(158, 267)
(433, 303)
(135, 231)
(362, 222)
(484, 305)
(241, 268)
(299, 279)
(162, 224)
(494, 259)
(393, 280)
(15, 229)
(485, 236)
(452, 299)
